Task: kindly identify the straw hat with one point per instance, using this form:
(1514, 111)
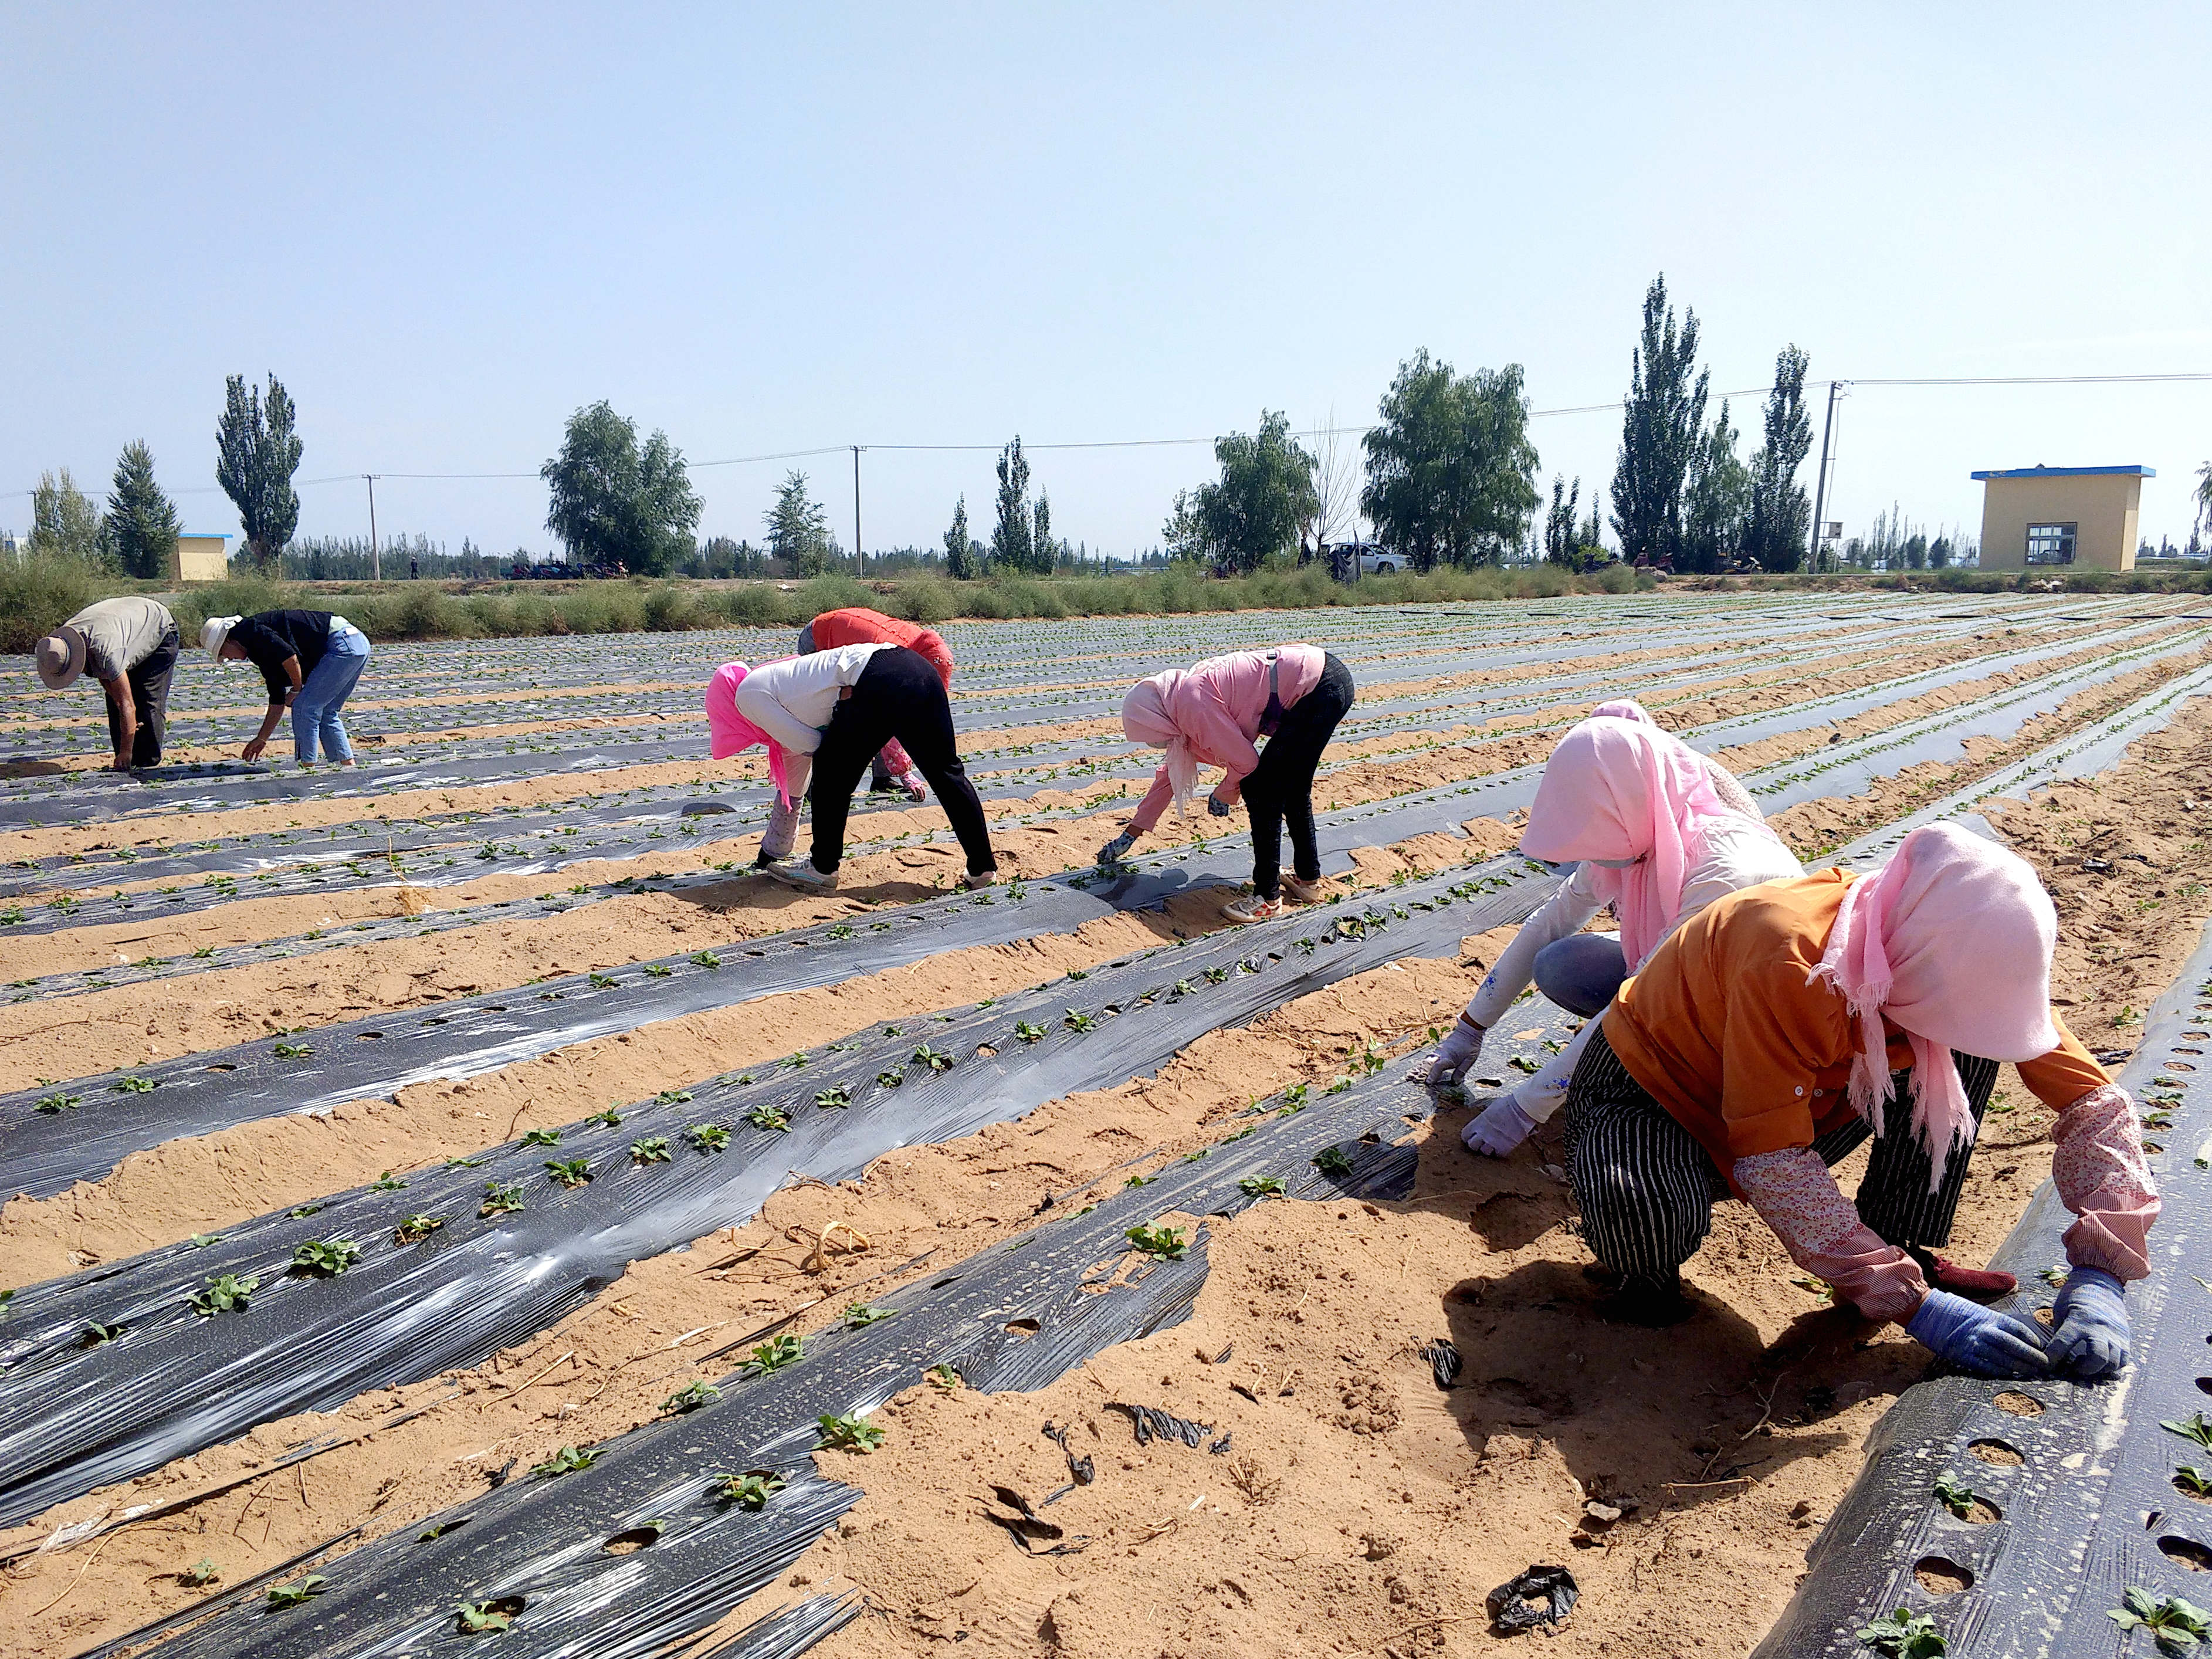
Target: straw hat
(60, 658)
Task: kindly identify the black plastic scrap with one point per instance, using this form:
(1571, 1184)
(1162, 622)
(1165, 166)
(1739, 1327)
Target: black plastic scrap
(1541, 1595)
(73, 1418)
(540, 1539)
(1153, 1424)
(1444, 1361)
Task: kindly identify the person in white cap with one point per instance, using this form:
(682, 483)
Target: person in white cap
(130, 644)
(310, 661)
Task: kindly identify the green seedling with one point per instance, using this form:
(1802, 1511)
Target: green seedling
(2193, 1481)
(1028, 1031)
(1331, 1161)
(225, 1293)
(1263, 1187)
(502, 1200)
(1139, 1180)
(1904, 1635)
(1078, 1021)
(1522, 1063)
(748, 1492)
(708, 1137)
(657, 971)
(302, 1212)
(857, 1314)
(765, 1116)
(134, 1086)
(541, 1138)
(293, 1051)
(691, 1398)
(849, 1433)
(843, 930)
(484, 1618)
(566, 1461)
(2177, 1626)
(893, 1030)
(653, 1149)
(291, 1595)
(325, 1258)
(1296, 1094)
(603, 981)
(1954, 1495)
(1167, 1242)
(54, 1105)
(95, 1334)
(943, 1378)
(202, 1573)
(2193, 1428)
(1372, 1059)
(775, 1353)
(464, 1163)
(609, 1119)
(387, 1183)
(1079, 973)
(936, 1059)
(672, 1097)
(569, 1172)
(832, 1099)
(892, 1079)
(414, 1228)
(705, 959)
(201, 1241)
(1338, 1086)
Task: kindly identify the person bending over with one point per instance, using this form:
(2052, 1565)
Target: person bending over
(1658, 837)
(891, 769)
(822, 717)
(311, 660)
(130, 644)
(1775, 1032)
(1295, 697)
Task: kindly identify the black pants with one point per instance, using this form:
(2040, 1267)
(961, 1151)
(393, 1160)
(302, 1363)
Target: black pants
(150, 697)
(1280, 788)
(899, 695)
(1646, 1188)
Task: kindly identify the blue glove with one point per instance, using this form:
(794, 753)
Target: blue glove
(1116, 849)
(1978, 1339)
(1219, 807)
(2091, 1317)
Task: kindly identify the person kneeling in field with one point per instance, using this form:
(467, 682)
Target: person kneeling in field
(856, 625)
(822, 717)
(311, 660)
(130, 644)
(1660, 832)
(1295, 697)
(1766, 1038)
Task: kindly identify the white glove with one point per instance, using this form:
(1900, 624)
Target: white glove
(1497, 1128)
(1456, 1054)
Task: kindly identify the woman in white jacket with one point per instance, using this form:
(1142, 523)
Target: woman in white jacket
(1660, 832)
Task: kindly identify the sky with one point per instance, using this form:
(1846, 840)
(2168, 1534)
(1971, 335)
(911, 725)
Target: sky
(445, 228)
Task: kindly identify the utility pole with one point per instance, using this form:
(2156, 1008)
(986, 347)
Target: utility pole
(375, 559)
(1820, 484)
(859, 559)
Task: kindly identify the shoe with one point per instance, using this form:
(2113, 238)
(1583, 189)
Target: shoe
(883, 783)
(975, 878)
(1302, 891)
(1253, 907)
(802, 874)
(1979, 1283)
(1651, 1302)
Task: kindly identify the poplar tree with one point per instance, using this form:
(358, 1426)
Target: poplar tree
(256, 455)
(1662, 426)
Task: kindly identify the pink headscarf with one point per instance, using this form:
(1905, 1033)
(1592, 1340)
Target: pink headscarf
(1146, 718)
(1952, 939)
(729, 733)
(1623, 709)
(1615, 789)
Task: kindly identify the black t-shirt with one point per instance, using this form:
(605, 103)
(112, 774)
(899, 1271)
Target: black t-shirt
(269, 637)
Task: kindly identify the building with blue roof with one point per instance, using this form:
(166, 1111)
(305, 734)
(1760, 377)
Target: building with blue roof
(2081, 518)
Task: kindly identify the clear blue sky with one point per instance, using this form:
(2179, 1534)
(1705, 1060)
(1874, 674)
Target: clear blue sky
(445, 227)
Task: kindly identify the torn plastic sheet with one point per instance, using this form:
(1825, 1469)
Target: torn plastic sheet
(1013, 1317)
(1541, 1595)
(2082, 1489)
(74, 1417)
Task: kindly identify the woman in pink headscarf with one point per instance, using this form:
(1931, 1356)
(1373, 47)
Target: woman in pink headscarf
(1767, 1039)
(1659, 832)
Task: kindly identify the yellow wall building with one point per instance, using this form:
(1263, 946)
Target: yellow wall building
(200, 559)
(2079, 516)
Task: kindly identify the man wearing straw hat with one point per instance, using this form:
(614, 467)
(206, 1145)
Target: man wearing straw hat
(130, 644)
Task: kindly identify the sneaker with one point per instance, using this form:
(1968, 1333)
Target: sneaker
(1979, 1283)
(1253, 907)
(975, 878)
(802, 874)
(1302, 891)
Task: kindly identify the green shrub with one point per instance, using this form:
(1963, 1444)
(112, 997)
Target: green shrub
(833, 593)
(925, 599)
(39, 592)
(756, 604)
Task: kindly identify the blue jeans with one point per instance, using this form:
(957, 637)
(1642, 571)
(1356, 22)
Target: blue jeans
(315, 710)
(1580, 972)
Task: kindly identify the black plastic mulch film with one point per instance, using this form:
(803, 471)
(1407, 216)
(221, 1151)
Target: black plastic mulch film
(76, 1413)
(1014, 1317)
(2078, 1483)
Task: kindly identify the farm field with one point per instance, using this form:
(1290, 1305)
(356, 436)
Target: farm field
(546, 1180)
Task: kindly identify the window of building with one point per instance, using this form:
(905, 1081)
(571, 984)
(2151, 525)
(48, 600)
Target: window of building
(2050, 544)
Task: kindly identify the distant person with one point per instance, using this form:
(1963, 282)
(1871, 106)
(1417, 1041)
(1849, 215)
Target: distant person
(1295, 697)
(856, 625)
(824, 715)
(413, 571)
(130, 644)
(311, 660)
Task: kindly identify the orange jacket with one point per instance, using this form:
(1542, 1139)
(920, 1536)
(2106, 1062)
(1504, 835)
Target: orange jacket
(857, 626)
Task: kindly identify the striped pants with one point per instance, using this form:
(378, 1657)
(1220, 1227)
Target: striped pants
(1647, 1188)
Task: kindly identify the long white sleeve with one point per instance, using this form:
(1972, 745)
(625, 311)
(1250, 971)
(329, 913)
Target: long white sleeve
(793, 701)
(1572, 903)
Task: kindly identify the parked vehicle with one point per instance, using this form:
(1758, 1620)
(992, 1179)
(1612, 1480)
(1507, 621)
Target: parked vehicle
(1374, 560)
